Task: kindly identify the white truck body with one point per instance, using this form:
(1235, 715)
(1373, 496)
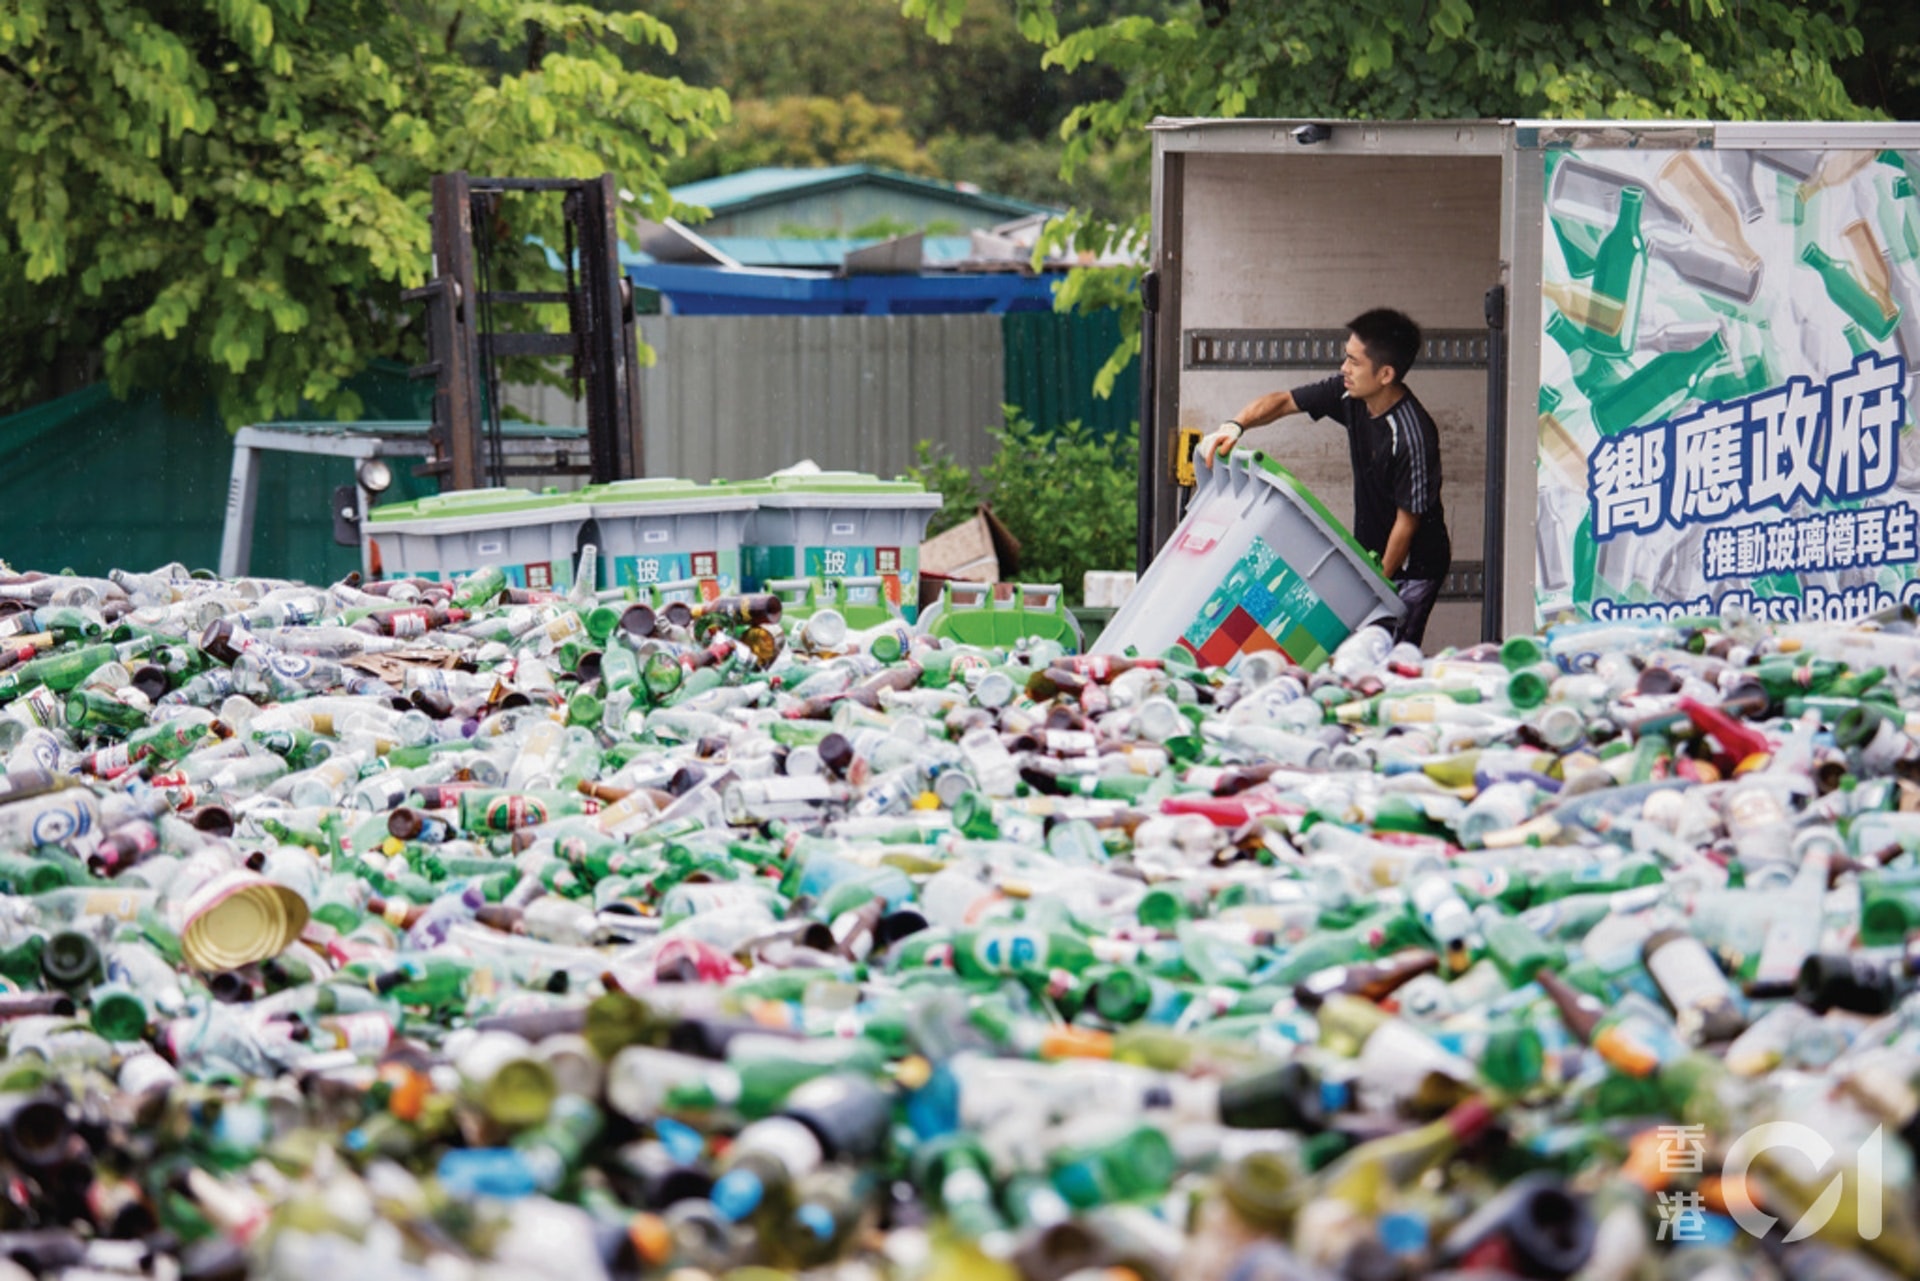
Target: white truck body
(1735, 430)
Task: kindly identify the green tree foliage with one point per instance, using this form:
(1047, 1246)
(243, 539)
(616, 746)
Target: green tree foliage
(1069, 497)
(227, 197)
(806, 133)
(1402, 59)
(1111, 187)
(985, 82)
(1885, 75)
(980, 108)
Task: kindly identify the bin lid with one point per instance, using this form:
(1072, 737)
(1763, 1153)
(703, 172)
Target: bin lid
(818, 489)
(510, 505)
(668, 493)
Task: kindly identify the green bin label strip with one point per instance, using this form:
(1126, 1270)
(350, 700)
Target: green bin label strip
(669, 567)
(536, 576)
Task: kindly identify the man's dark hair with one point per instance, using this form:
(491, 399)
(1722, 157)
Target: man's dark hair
(1390, 337)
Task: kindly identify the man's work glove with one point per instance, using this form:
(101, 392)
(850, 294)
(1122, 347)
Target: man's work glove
(1220, 441)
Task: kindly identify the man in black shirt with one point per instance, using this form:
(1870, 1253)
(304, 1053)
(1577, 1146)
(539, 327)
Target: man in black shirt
(1397, 513)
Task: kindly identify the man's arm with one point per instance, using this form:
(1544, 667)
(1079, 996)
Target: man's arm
(1262, 410)
(1258, 412)
(1399, 541)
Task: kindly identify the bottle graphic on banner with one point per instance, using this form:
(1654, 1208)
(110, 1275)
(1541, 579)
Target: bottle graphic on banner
(1685, 180)
(1850, 295)
(1663, 383)
(1732, 421)
(1620, 275)
(1870, 261)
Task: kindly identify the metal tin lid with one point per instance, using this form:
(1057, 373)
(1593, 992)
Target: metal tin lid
(239, 918)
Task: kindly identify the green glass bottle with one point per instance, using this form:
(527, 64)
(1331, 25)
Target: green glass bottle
(1850, 296)
(171, 739)
(1516, 949)
(59, 672)
(1620, 273)
(97, 713)
(1134, 1164)
(620, 668)
(1373, 936)
(432, 980)
(953, 1173)
(71, 961)
(1594, 373)
(1529, 687)
(1019, 951)
(480, 587)
(20, 963)
(1627, 874)
(69, 623)
(1658, 387)
(117, 1012)
(24, 875)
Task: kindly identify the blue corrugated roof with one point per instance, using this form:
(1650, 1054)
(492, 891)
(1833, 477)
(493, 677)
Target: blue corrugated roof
(753, 188)
(706, 291)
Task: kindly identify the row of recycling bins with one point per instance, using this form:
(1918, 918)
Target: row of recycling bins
(1257, 564)
(725, 537)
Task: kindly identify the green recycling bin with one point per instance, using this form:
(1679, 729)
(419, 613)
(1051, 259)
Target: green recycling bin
(972, 614)
(661, 530)
(534, 538)
(1259, 563)
(833, 525)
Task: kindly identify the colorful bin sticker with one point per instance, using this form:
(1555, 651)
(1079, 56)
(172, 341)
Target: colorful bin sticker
(1727, 384)
(849, 562)
(1263, 605)
(540, 575)
(895, 571)
(668, 567)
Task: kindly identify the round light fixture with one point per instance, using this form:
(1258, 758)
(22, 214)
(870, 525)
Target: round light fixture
(375, 475)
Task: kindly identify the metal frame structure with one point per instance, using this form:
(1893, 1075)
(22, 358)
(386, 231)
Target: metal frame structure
(466, 438)
(527, 450)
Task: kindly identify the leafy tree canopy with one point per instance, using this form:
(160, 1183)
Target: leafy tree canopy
(228, 196)
(1434, 59)
(805, 133)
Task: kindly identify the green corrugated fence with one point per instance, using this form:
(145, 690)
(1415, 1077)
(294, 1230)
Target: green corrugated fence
(92, 483)
(1051, 359)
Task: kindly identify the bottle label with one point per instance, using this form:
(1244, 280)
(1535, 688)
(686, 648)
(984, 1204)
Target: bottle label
(110, 762)
(293, 667)
(1010, 951)
(367, 1033)
(1687, 975)
(60, 823)
(507, 813)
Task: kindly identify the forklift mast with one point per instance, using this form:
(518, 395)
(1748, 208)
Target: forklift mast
(465, 346)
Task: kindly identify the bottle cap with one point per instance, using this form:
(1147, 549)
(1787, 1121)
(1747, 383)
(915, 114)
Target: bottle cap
(737, 1194)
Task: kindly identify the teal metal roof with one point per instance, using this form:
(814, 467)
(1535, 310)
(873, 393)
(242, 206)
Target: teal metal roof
(827, 252)
(758, 188)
